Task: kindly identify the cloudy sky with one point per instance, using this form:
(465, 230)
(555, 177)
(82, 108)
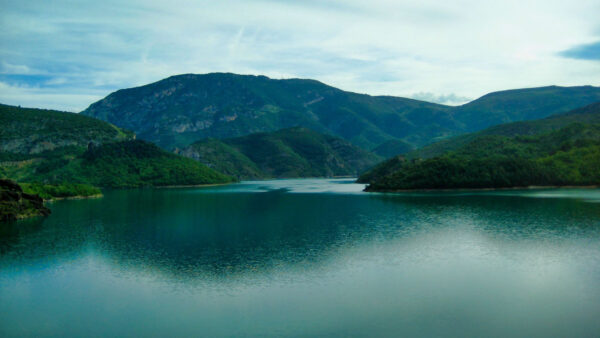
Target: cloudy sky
(67, 54)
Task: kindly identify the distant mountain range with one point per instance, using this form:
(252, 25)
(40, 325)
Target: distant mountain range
(561, 150)
(183, 109)
(293, 152)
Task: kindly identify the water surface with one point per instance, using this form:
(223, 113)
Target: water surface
(305, 257)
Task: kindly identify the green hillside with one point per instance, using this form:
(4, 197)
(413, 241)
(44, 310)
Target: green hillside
(224, 158)
(125, 164)
(540, 155)
(392, 148)
(72, 151)
(587, 114)
(523, 104)
(182, 109)
(293, 152)
(34, 131)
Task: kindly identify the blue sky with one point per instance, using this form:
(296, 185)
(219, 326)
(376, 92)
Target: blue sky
(67, 54)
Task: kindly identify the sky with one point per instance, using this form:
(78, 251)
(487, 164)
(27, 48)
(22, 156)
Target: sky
(67, 54)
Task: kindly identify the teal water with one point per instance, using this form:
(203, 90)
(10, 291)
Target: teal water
(305, 258)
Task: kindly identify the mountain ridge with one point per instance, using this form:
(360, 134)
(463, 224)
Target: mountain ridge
(182, 109)
(586, 114)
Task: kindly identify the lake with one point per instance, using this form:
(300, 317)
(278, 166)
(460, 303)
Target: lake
(312, 257)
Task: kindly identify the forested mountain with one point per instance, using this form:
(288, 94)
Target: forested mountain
(292, 152)
(587, 114)
(562, 150)
(182, 109)
(52, 147)
(392, 148)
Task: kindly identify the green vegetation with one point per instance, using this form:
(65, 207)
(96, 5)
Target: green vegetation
(587, 114)
(392, 148)
(57, 191)
(293, 152)
(63, 154)
(383, 169)
(126, 164)
(139, 163)
(566, 156)
(16, 204)
(182, 109)
(224, 158)
(27, 131)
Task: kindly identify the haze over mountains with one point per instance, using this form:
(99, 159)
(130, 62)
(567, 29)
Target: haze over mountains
(183, 109)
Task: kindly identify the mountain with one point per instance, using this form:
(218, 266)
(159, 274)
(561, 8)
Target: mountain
(292, 152)
(587, 114)
(562, 150)
(52, 147)
(182, 109)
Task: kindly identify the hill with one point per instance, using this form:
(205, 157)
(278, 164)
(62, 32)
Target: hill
(34, 131)
(182, 109)
(587, 114)
(293, 152)
(125, 164)
(523, 104)
(57, 148)
(547, 152)
(392, 148)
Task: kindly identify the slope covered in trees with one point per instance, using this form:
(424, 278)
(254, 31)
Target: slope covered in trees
(67, 150)
(182, 109)
(539, 155)
(587, 114)
(293, 152)
(34, 131)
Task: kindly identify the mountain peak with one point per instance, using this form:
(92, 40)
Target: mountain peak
(184, 108)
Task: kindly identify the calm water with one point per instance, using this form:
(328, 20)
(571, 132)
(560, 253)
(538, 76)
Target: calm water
(305, 257)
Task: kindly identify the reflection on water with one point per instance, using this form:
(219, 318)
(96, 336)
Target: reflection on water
(297, 257)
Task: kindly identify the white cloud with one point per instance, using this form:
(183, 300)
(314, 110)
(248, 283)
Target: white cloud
(391, 47)
(448, 99)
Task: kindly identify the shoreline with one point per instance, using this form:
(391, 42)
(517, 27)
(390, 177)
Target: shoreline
(78, 197)
(532, 187)
(187, 186)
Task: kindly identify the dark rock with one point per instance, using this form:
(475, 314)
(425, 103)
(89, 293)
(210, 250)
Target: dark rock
(15, 204)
